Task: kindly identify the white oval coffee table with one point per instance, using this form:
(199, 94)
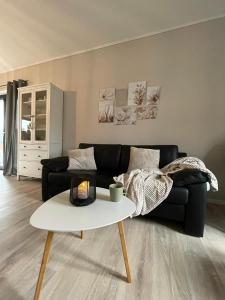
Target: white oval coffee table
(59, 215)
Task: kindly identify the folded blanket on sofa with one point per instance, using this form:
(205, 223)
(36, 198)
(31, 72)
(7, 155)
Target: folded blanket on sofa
(148, 188)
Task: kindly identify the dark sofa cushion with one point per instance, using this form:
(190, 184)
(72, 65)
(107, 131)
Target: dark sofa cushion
(64, 178)
(57, 164)
(107, 157)
(168, 153)
(189, 176)
(178, 195)
(105, 178)
(104, 181)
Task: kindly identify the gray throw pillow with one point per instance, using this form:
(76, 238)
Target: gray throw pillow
(141, 158)
(82, 159)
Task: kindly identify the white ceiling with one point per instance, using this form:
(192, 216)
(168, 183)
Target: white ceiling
(33, 31)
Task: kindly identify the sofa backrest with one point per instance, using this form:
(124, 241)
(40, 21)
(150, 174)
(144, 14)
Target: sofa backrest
(107, 156)
(168, 153)
(116, 157)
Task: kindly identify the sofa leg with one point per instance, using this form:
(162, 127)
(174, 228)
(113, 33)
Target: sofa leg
(195, 210)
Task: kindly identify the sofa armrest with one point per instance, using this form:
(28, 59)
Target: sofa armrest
(194, 221)
(44, 183)
(189, 176)
(57, 164)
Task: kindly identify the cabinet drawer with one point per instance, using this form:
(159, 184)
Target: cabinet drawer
(31, 169)
(32, 155)
(33, 147)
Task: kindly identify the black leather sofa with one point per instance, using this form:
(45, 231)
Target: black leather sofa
(186, 202)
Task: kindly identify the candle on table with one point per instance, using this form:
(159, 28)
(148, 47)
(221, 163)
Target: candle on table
(83, 190)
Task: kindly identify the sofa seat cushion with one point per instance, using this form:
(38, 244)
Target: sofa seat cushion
(64, 178)
(104, 179)
(178, 195)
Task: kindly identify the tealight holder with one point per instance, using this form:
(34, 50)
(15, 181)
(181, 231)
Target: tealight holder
(82, 189)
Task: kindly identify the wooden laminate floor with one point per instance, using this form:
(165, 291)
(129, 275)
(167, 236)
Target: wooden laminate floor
(165, 263)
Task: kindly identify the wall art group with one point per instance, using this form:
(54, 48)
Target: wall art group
(127, 106)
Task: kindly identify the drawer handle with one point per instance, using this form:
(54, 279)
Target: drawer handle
(39, 147)
(24, 167)
(39, 169)
(39, 155)
(24, 155)
(24, 146)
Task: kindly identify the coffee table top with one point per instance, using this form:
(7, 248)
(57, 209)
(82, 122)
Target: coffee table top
(58, 214)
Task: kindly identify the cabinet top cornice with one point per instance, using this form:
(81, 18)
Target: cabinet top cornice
(37, 86)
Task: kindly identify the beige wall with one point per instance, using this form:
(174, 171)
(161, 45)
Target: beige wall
(189, 65)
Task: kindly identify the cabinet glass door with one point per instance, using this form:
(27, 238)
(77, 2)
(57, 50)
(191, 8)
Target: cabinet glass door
(40, 115)
(26, 117)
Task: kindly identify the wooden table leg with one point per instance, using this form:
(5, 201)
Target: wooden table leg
(124, 249)
(43, 265)
(81, 234)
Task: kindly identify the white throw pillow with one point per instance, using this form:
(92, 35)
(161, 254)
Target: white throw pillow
(141, 158)
(82, 159)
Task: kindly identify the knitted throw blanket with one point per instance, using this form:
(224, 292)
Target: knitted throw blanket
(148, 188)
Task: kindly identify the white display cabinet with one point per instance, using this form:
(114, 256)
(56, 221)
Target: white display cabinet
(39, 128)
